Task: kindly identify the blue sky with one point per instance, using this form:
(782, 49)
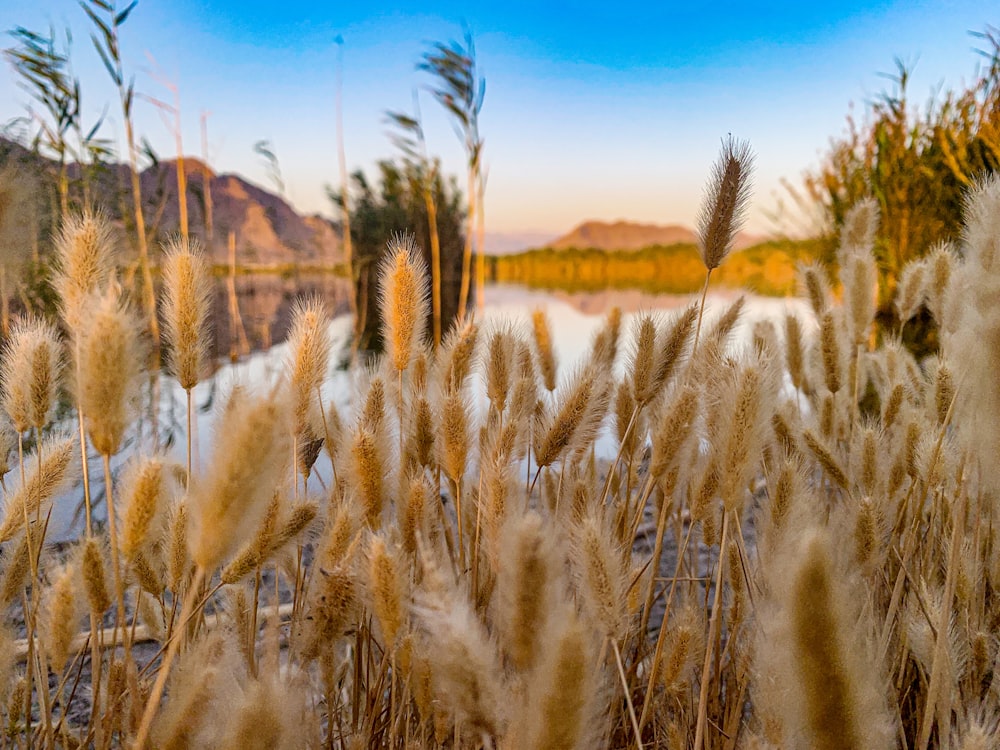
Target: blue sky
(604, 111)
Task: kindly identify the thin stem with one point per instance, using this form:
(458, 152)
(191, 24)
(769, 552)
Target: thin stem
(156, 693)
(701, 310)
(113, 532)
(187, 479)
(628, 696)
(713, 634)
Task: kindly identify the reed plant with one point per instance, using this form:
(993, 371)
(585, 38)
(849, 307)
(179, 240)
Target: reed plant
(792, 544)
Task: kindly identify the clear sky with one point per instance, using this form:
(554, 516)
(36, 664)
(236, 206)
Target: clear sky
(593, 111)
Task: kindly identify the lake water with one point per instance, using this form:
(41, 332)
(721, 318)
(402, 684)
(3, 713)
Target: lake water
(251, 350)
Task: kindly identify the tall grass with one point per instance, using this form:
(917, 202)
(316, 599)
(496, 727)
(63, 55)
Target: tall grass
(795, 544)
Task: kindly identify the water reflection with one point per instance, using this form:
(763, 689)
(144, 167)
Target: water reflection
(251, 312)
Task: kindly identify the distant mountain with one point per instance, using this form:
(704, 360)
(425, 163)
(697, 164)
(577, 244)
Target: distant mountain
(505, 243)
(627, 235)
(267, 229)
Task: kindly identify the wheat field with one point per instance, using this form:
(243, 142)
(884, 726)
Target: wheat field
(824, 563)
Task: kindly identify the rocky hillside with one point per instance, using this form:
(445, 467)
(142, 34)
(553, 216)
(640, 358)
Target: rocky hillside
(626, 235)
(267, 229)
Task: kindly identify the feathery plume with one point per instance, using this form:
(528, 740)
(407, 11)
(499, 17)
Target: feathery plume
(30, 372)
(403, 290)
(569, 426)
(95, 578)
(41, 484)
(561, 689)
(725, 202)
(910, 291)
(835, 690)
(673, 348)
(602, 577)
(794, 352)
(148, 489)
(829, 340)
(385, 580)
(109, 367)
(604, 350)
(749, 393)
(674, 429)
(544, 348)
(368, 469)
(813, 285)
(857, 235)
(85, 261)
(455, 357)
(499, 360)
(229, 502)
(466, 671)
(309, 357)
(454, 436)
(62, 616)
(940, 265)
(527, 585)
(643, 358)
(187, 293)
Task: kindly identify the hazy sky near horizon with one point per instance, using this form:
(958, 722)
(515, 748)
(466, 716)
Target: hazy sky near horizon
(592, 111)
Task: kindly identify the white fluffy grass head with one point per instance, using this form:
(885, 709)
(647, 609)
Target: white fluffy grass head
(187, 291)
(110, 362)
(30, 372)
(85, 251)
(403, 292)
(231, 497)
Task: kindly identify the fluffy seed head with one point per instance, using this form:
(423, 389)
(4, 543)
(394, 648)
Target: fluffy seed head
(456, 355)
(187, 292)
(41, 484)
(561, 691)
(544, 348)
(309, 356)
(674, 430)
(230, 500)
(95, 581)
(585, 393)
(85, 251)
(860, 279)
(465, 667)
(940, 264)
(499, 364)
(673, 345)
(643, 359)
(30, 372)
(747, 400)
(857, 236)
(526, 588)
(109, 365)
(385, 580)
(910, 291)
(982, 206)
(602, 577)
(794, 353)
(838, 708)
(725, 202)
(369, 474)
(62, 615)
(814, 287)
(829, 340)
(148, 490)
(403, 291)
(605, 346)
